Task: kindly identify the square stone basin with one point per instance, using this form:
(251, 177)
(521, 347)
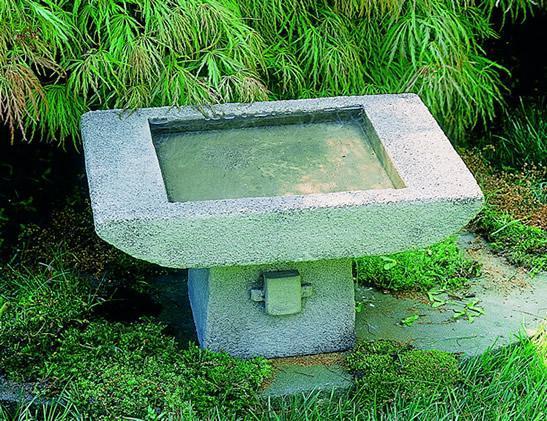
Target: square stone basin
(270, 182)
(298, 154)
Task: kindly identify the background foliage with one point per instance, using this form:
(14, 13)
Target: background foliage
(60, 58)
(523, 137)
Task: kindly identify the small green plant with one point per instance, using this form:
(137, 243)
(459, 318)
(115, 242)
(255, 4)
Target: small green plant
(441, 265)
(539, 190)
(470, 311)
(437, 297)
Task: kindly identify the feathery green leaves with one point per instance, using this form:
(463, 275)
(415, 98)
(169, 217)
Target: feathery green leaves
(59, 58)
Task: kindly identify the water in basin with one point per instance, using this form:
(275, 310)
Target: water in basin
(269, 160)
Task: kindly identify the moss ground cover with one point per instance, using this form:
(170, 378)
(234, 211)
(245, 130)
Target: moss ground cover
(442, 264)
(116, 370)
(386, 371)
(36, 308)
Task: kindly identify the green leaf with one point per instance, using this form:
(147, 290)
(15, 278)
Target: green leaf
(410, 320)
(4, 307)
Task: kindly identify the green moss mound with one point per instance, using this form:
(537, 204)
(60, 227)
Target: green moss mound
(386, 371)
(50, 333)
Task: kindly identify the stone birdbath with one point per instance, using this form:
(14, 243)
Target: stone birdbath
(267, 203)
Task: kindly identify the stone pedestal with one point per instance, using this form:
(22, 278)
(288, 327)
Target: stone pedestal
(231, 305)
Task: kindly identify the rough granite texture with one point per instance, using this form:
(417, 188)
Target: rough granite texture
(227, 320)
(131, 209)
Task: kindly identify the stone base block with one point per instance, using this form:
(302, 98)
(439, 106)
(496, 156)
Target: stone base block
(227, 319)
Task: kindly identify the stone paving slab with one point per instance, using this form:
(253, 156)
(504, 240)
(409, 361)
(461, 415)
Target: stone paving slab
(13, 392)
(512, 301)
(297, 379)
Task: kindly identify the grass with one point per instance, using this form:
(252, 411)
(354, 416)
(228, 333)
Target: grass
(440, 265)
(58, 409)
(522, 139)
(60, 58)
(510, 383)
